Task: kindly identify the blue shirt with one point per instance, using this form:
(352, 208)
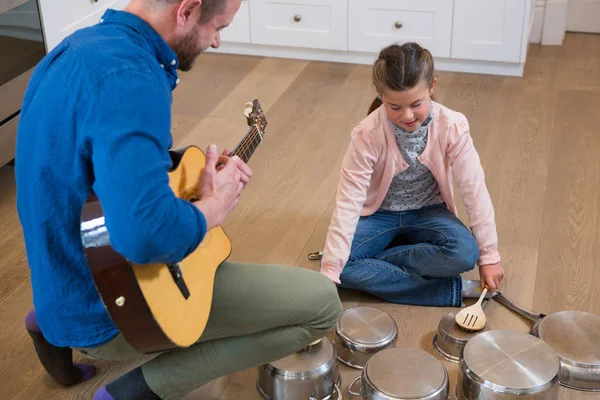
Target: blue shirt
(97, 115)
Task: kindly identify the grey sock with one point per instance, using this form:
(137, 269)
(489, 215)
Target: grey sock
(470, 289)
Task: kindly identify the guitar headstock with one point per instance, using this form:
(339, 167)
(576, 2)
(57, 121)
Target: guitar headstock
(255, 116)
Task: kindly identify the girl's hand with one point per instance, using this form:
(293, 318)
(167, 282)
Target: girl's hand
(491, 275)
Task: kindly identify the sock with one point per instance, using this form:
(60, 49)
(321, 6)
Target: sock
(102, 394)
(132, 385)
(57, 361)
(471, 289)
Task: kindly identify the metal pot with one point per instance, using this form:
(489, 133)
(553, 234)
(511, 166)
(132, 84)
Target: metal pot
(309, 374)
(574, 336)
(451, 339)
(504, 364)
(362, 332)
(402, 374)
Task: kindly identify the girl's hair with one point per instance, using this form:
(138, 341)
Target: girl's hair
(401, 67)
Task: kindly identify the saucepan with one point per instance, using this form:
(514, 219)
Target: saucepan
(504, 364)
(402, 374)
(574, 336)
(309, 374)
(451, 339)
(362, 332)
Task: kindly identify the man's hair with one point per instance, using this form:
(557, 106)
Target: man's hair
(208, 9)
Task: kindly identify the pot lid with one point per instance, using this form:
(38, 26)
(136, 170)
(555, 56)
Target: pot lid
(308, 360)
(574, 336)
(367, 325)
(511, 359)
(449, 329)
(406, 373)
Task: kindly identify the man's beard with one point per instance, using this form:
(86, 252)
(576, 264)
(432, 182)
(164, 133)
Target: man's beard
(185, 50)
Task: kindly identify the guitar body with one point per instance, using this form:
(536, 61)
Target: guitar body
(159, 307)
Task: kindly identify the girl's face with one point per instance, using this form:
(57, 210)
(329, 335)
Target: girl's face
(410, 108)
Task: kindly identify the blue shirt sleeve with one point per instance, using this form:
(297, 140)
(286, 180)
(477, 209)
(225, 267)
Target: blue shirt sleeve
(127, 132)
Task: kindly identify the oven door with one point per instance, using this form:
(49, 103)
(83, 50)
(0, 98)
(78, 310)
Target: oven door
(21, 48)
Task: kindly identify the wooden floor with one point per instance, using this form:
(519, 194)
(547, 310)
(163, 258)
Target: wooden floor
(538, 138)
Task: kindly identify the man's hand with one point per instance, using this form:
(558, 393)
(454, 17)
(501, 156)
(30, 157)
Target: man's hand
(491, 275)
(219, 189)
(244, 169)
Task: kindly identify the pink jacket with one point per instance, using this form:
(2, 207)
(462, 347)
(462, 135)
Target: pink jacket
(373, 159)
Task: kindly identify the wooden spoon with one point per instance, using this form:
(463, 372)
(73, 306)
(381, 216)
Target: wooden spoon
(472, 318)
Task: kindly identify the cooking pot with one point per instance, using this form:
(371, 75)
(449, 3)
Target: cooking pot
(362, 332)
(309, 374)
(451, 338)
(402, 374)
(574, 336)
(505, 364)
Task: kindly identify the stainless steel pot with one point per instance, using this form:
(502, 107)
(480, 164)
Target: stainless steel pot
(362, 332)
(310, 374)
(503, 364)
(574, 336)
(402, 374)
(451, 339)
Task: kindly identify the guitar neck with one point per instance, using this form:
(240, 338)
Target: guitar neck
(248, 144)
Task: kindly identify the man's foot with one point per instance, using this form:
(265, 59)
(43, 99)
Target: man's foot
(471, 289)
(57, 361)
(132, 385)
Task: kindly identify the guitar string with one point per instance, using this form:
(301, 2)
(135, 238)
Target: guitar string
(249, 144)
(244, 147)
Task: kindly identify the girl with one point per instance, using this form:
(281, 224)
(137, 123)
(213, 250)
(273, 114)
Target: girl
(394, 232)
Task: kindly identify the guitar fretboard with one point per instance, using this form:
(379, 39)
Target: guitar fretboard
(248, 145)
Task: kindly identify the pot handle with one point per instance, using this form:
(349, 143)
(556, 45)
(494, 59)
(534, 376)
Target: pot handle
(502, 299)
(358, 378)
(339, 392)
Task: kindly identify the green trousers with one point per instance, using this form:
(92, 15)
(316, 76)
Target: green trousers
(260, 313)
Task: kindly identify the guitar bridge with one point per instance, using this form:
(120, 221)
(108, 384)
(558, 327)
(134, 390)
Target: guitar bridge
(177, 275)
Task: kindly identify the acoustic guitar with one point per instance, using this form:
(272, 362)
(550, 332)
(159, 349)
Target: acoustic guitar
(160, 307)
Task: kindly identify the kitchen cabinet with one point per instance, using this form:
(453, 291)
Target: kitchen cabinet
(239, 29)
(376, 23)
(489, 30)
(60, 18)
(463, 35)
(317, 24)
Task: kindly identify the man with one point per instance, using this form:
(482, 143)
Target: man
(96, 115)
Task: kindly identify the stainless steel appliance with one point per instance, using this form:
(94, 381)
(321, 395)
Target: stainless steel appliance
(21, 48)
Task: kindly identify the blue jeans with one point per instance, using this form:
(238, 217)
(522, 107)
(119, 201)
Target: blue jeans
(411, 257)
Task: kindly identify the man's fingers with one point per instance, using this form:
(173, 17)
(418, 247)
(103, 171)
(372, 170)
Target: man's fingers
(243, 167)
(211, 158)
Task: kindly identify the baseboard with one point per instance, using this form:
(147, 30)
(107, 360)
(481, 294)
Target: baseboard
(555, 22)
(352, 57)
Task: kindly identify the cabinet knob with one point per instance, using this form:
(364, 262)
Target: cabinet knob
(398, 24)
(297, 18)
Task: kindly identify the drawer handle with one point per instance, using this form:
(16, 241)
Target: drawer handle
(297, 18)
(398, 24)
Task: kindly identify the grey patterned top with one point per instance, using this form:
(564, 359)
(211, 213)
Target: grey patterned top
(414, 187)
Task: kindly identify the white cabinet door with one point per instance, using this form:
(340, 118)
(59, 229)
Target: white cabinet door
(317, 24)
(374, 24)
(490, 30)
(60, 18)
(239, 29)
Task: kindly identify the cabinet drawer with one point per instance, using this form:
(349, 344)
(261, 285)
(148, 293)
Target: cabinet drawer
(375, 24)
(239, 29)
(299, 23)
(60, 18)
